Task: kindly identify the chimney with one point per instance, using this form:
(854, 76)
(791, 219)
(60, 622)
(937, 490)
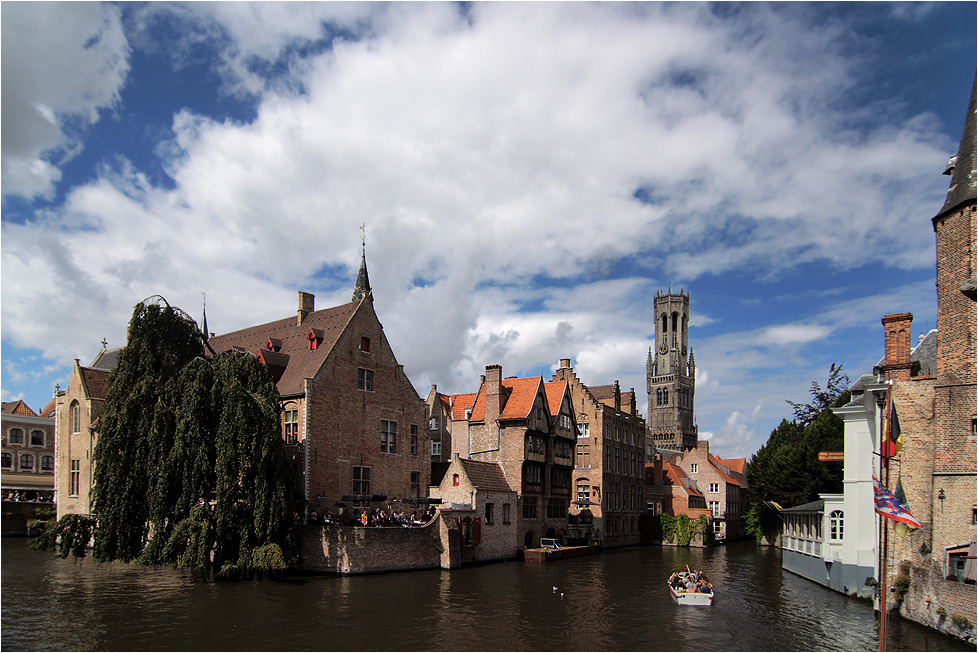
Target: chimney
(565, 363)
(307, 304)
(494, 392)
(896, 359)
(617, 396)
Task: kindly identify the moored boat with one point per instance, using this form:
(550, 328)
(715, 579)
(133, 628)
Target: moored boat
(688, 588)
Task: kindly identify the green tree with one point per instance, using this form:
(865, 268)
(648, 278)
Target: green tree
(786, 469)
(190, 466)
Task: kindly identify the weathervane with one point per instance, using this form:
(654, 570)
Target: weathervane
(363, 236)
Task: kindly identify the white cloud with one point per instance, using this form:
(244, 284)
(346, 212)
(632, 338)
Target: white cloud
(494, 157)
(63, 62)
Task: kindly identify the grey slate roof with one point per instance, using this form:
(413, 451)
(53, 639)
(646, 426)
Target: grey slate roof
(106, 359)
(486, 476)
(962, 188)
(814, 506)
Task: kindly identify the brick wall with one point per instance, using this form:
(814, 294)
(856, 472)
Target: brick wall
(358, 550)
(955, 235)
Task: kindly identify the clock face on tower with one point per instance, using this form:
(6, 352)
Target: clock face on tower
(663, 349)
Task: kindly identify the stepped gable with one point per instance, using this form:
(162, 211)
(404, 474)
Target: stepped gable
(18, 408)
(302, 363)
(485, 476)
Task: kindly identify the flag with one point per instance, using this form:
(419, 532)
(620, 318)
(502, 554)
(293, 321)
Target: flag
(890, 507)
(892, 440)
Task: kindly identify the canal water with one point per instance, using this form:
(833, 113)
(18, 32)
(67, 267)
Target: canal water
(616, 601)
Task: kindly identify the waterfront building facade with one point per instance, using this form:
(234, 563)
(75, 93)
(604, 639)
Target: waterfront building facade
(27, 468)
(527, 427)
(609, 466)
(77, 411)
(439, 427)
(670, 491)
(671, 376)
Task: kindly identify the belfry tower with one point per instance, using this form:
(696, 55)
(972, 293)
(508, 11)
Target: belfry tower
(670, 374)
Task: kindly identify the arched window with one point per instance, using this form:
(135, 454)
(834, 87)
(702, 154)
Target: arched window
(47, 463)
(27, 462)
(835, 525)
(658, 397)
(37, 438)
(665, 396)
(75, 417)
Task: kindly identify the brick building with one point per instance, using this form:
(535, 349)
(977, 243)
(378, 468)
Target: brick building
(671, 376)
(527, 427)
(27, 468)
(439, 427)
(353, 424)
(77, 410)
(937, 419)
(609, 466)
(697, 475)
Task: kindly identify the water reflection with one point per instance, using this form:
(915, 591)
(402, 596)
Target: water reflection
(615, 601)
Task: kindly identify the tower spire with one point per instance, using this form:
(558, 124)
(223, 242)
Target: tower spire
(362, 287)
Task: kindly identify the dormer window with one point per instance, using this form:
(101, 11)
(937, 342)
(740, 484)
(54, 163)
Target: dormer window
(365, 345)
(273, 344)
(315, 337)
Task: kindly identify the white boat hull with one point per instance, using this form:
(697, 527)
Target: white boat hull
(691, 598)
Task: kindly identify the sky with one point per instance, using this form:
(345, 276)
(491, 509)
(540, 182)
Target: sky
(528, 175)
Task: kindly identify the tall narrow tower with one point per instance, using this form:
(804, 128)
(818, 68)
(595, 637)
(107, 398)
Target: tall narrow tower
(670, 374)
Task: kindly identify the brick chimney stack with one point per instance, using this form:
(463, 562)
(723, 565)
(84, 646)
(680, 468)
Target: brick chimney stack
(307, 304)
(896, 359)
(494, 393)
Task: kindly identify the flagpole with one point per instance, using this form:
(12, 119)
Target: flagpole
(885, 462)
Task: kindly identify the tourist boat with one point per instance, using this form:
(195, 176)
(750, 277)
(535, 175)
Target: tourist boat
(690, 598)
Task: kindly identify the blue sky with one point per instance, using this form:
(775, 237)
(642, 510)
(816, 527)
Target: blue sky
(530, 175)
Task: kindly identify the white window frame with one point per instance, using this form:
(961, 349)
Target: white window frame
(436, 449)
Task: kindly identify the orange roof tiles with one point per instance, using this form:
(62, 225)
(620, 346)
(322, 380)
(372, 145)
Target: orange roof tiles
(486, 476)
(555, 394)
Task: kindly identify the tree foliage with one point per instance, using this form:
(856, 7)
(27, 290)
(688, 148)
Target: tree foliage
(190, 466)
(786, 469)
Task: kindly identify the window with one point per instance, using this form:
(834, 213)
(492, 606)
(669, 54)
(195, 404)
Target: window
(835, 525)
(583, 430)
(560, 478)
(529, 508)
(75, 417)
(536, 444)
(26, 462)
(7, 461)
(617, 434)
(75, 477)
(562, 449)
(414, 445)
(488, 513)
(365, 345)
(37, 438)
(436, 449)
(505, 513)
(47, 463)
(556, 509)
(433, 424)
(416, 483)
(455, 480)
(583, 495)
(16, 436)
(533, 475)
(715, 508)
(388, 435)
(291, 426)
(565, 422)
(361, 480)
(584, 456)
(365, 379)
(693, 468)
(714, 488)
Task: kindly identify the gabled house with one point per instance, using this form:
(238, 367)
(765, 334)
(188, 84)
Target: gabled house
(27, 468)
(526, 426)
(609, 467)
(670, 491)
(353, 424)
(480, 498)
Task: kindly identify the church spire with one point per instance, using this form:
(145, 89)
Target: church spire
(961, 167)
(362, 288)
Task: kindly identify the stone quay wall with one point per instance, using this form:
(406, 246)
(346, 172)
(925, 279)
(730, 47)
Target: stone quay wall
(930, 594)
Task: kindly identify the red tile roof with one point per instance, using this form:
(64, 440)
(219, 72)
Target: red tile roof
(303, 363)
(555, 395)
(18, 408)
(460, 404)
(96, 382)
(522, 393)
(486, 476)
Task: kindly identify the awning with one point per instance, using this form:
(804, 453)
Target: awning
(970, 565)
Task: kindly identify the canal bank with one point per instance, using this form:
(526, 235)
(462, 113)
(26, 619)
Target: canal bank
(614, 601)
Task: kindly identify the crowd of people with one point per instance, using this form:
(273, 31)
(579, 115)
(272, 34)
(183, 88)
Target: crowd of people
(690, 581)
(32, 496)
(371, 517)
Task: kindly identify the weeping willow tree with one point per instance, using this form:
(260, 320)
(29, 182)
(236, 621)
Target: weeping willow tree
(190, 466)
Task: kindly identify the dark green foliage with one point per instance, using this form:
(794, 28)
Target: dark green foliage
(681, 530)
(71, 532)
(190, 464)
(786, 469)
